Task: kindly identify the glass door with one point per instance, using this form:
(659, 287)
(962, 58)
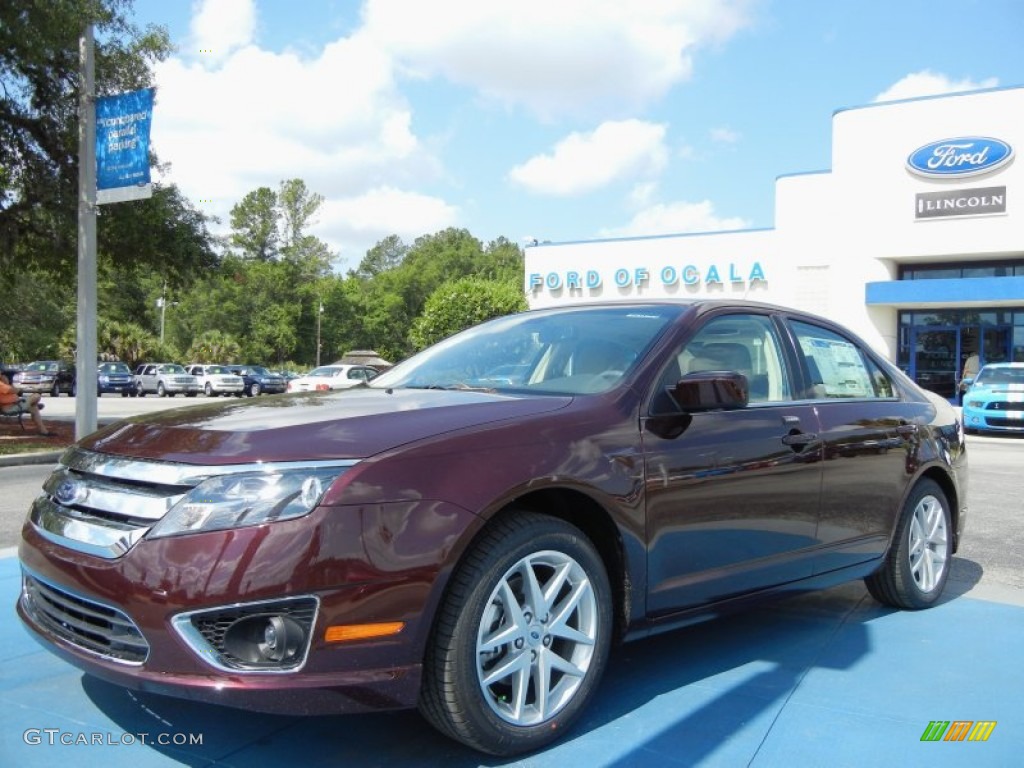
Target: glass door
(936, 359)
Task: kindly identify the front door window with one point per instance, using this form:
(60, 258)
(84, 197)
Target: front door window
(936, 361)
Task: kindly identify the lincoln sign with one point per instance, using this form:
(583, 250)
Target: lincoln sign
(960, 202)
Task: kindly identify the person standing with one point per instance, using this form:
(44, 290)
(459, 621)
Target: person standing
(12, 402)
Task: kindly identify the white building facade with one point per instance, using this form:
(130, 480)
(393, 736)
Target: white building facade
(914, 239)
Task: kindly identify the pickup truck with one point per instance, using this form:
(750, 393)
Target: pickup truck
(165, 380)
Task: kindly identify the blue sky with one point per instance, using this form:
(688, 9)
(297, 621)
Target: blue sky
(559, 120)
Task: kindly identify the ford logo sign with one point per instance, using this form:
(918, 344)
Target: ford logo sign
(957, 158)
(70, 492)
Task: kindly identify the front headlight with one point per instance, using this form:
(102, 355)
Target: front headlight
(249, 498)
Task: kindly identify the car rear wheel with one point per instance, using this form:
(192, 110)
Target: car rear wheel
(916, 568)
(521, 639)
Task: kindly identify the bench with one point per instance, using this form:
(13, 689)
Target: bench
(10, 412)
(15, 414)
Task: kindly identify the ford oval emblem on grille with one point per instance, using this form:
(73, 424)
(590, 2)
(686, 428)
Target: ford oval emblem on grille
(71, 492)
(957, 158)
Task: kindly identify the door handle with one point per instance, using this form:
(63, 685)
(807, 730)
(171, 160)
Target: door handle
(905, 429)
(799, 439)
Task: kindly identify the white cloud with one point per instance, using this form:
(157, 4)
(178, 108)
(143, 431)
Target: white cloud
(555, 57)
(928, 83)
(675, 218)
(352, 222)
(724, 135)
(583, 162)
(219, 27)
(260, 117)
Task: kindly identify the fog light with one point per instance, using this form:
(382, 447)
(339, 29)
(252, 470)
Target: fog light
(265, 639)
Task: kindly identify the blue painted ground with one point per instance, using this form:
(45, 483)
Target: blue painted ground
(831, 679)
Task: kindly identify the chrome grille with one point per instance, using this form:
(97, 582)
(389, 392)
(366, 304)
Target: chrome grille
(84, 623)
(103, 505)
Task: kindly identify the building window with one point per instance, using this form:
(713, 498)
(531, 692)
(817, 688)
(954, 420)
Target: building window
(1010, 268)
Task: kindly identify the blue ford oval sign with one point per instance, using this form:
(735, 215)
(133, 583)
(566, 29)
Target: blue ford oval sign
(956, 158)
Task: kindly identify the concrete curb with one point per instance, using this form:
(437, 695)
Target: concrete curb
(22, 459)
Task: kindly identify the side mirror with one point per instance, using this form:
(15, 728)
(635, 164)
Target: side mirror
(711, 391)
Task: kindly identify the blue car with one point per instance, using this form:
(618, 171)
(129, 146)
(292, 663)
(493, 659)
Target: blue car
(115, 378)
(995, 401)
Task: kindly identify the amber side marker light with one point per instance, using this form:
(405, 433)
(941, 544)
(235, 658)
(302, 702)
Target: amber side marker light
(342, 633)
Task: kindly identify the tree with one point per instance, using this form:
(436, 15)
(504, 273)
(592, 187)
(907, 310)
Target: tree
(254, 225)
(297, 206)
(461, 304)
(385, 255)
(214, 347)
(38, 116)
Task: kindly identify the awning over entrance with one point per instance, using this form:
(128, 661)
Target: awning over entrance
(958, 292)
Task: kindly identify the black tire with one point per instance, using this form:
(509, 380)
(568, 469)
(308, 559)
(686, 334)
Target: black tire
(140, 390)
(55, 390)
(455, 698)
(255, 390)
(125, 393)
(916, 568)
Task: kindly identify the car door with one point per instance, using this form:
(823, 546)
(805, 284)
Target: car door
(731, 495)
(868, 432)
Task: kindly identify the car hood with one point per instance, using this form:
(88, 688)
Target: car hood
(344, 424)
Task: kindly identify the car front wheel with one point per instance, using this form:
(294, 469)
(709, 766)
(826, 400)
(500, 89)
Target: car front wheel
(255, 389)
(521, 639)
(55, 390)
(916, 568)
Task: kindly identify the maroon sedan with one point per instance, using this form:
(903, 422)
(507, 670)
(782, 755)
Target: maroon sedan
(472, 542)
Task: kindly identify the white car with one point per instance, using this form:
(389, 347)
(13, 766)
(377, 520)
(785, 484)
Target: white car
(328, 377)
(217, 380)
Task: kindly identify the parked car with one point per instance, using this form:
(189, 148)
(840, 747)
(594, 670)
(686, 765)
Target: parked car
(11, 370)
(114, 378)
(165, 379)
(257, 380)
(217, 380)
(47, 376)
(328, 377)
(441, 540)
(995, 400)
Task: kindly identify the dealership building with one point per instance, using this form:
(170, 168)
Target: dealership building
(914, 239)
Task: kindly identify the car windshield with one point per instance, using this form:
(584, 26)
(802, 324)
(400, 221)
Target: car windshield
(41, 367)
(994, 377)
(579, 350)
(115, 368)
(259, 370)
(172, 369)
(216, 369)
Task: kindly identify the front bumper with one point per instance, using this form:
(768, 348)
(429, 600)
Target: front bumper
(994, 420)
(348, 558)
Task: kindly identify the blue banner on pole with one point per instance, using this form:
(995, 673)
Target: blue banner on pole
(122, 146)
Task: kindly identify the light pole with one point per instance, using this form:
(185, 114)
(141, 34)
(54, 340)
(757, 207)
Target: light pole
(318, 314)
